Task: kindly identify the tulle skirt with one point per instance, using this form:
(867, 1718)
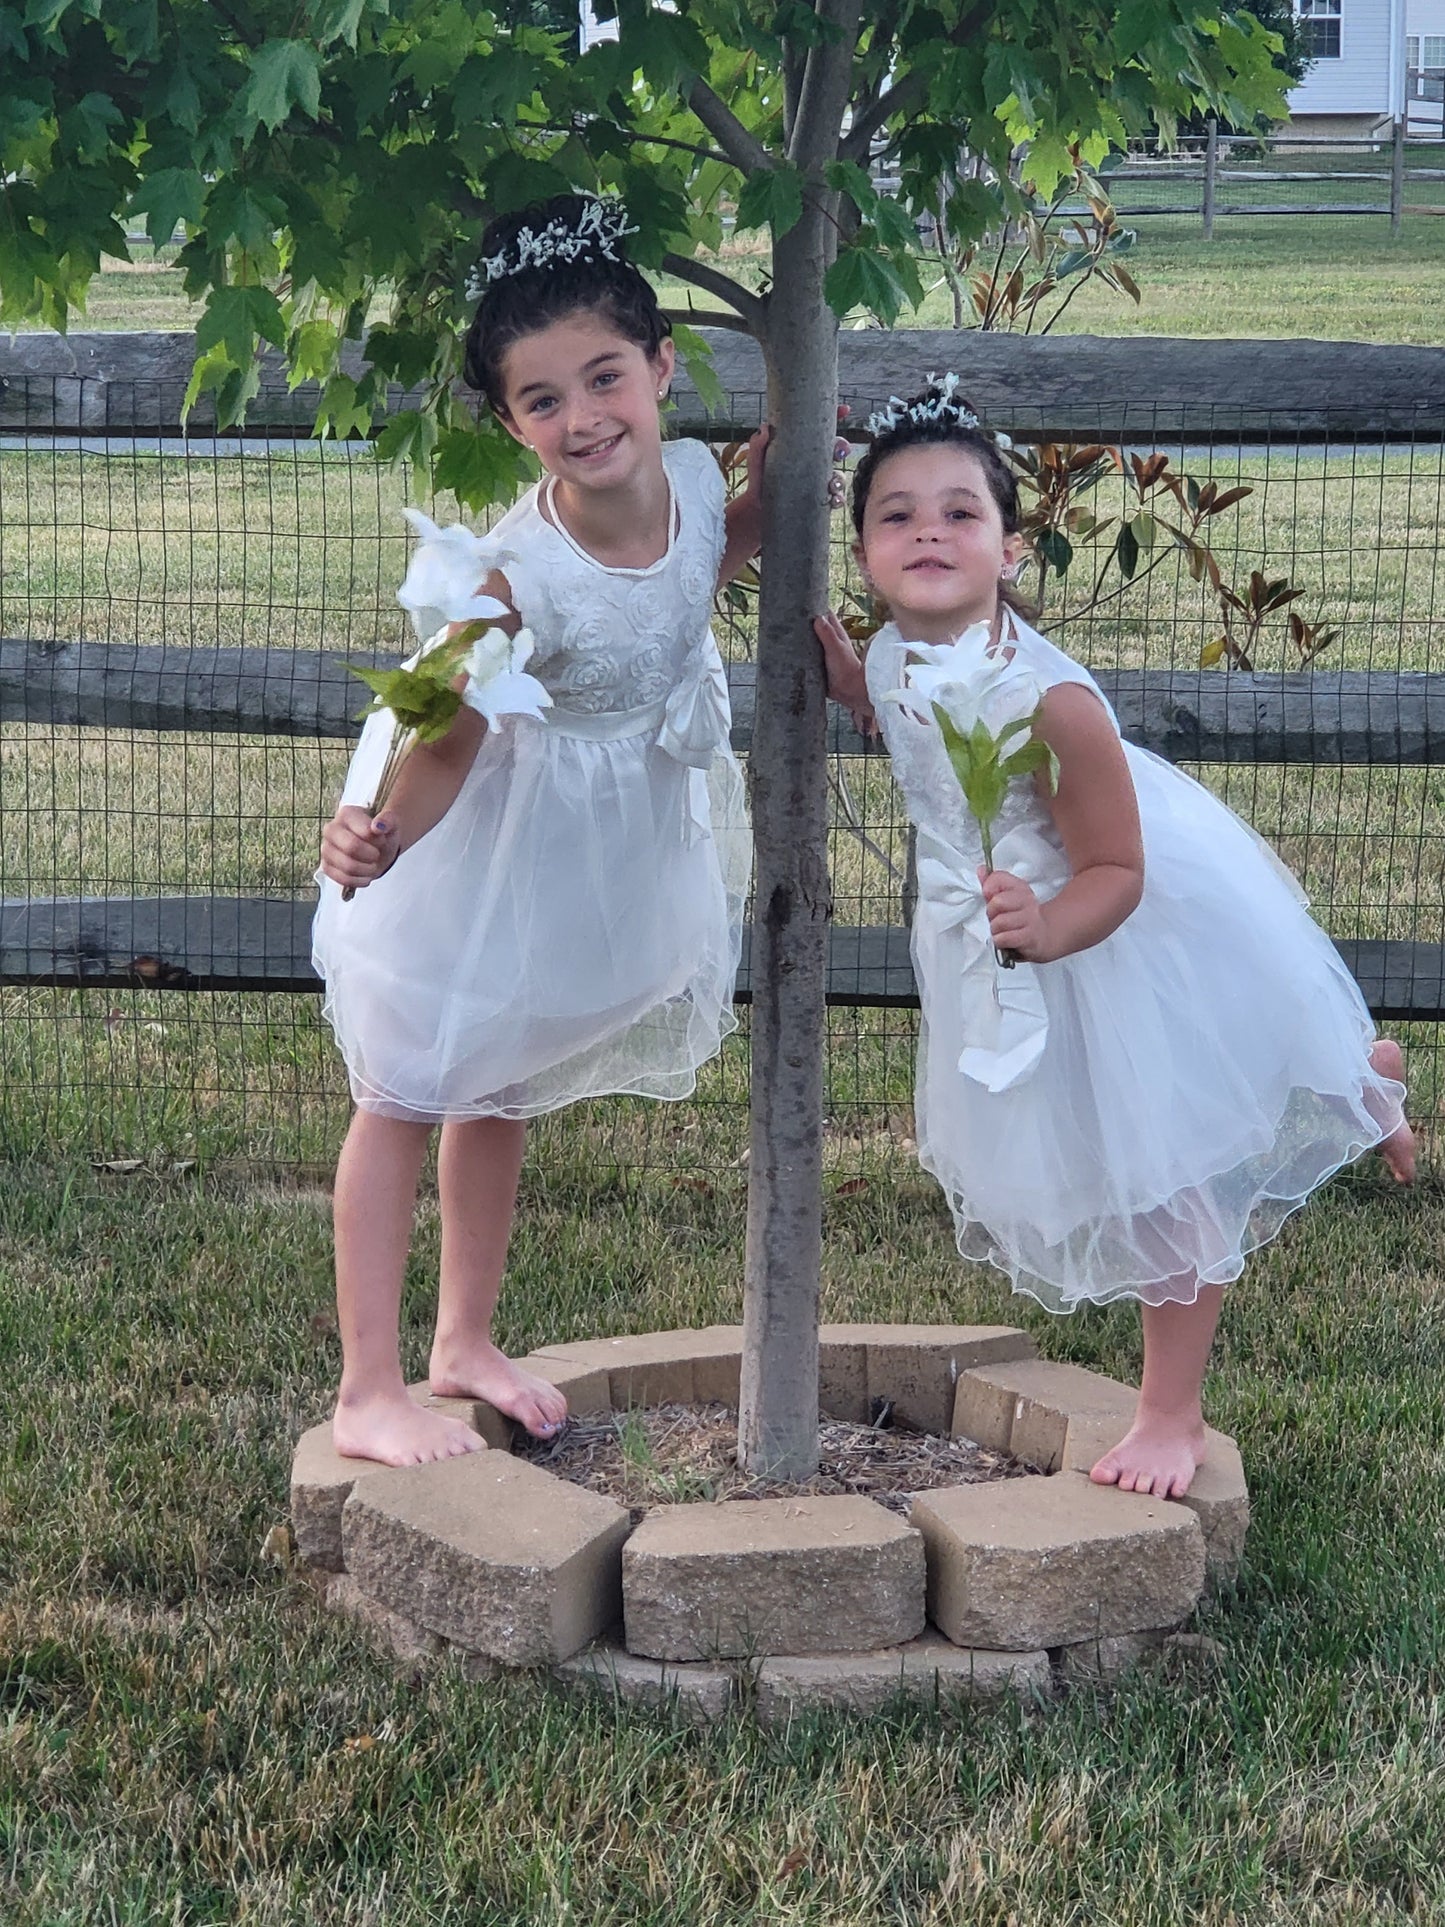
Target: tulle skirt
(571, 928)
(1206, 1068)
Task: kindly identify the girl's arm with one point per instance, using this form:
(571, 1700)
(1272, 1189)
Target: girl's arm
(743, 516)
(1098, 818)
(355, 848)
(847, 682)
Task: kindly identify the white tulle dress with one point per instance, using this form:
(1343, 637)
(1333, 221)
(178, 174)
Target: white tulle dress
(1134, 1119)
(572, 926)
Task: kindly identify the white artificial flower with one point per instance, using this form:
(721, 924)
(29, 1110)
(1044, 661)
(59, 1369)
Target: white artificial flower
(496, 685)
(969, 682)
(441, 584)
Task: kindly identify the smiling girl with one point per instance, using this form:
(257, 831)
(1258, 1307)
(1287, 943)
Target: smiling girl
(1177, 1058)
(548, 910)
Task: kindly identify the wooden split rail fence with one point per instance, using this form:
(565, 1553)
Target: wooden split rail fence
(1054, 387)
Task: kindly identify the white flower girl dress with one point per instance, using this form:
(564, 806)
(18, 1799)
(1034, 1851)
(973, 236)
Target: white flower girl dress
(1134, 1119)
(573, 924)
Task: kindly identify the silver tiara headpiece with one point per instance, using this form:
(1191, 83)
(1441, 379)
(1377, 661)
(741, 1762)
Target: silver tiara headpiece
(597, 229)
(936, 405)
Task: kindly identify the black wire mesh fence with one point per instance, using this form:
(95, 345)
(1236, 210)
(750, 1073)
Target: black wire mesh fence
(287, 552)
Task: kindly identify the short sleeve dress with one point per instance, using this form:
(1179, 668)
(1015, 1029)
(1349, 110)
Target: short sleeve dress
(1134, 1119)
(573, 924)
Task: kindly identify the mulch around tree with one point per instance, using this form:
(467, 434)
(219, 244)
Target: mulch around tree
(687, 1454)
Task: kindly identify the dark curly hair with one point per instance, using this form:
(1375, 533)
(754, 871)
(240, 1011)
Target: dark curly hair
(948, 428)
(519, 304)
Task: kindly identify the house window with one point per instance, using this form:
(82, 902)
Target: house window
(1320, 28)
(1434, 44)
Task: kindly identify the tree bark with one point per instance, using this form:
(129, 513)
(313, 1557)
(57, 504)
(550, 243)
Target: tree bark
(778, 1419)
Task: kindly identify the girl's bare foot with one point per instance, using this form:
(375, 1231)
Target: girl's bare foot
(1398, 1149)
(1157, 1455)
(481, 1371)
(393, 1429)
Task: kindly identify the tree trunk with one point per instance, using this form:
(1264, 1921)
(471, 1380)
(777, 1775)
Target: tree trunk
(778, 1419)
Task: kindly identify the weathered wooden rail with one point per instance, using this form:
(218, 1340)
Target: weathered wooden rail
(1074, 387)
(263, 943)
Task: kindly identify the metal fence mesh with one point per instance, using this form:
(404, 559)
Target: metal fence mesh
(294, 545)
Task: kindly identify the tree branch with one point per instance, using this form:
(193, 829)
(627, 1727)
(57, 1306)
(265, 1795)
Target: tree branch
(752, 308)
(743, 149)
(824, 92)
(644, 140)
(911, 92)
(708, 318)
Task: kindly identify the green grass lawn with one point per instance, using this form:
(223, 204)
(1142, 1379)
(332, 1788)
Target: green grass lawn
(187, 1737)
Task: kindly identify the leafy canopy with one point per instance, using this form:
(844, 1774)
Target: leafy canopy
(329, 160)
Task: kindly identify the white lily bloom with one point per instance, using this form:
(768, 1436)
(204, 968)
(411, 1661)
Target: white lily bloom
(969, 682)
(496, 685)
(441, 583)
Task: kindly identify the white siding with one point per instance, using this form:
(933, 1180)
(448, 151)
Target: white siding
(1364, 80)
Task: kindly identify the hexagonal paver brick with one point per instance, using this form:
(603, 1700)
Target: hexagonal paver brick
(321, 1482)
(843, 1373)
(483, 1418)
(397, 1635)
(490, 1552)
(914, 1368)
(585, 1387)
(683, 1367)
(804, 1575)
(1023, 1564)
(1025, 1407)
(1217, 1494)
(699, 1693)
(928, 1671)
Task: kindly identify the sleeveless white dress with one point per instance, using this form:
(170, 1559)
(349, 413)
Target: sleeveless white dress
(1132, 1120)
(572, 926)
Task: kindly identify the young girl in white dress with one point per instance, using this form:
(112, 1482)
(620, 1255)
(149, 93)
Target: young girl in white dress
(548, 908)
(1179, 1056)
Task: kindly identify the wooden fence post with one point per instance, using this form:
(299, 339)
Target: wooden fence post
(1397, 174)
(1211, 168)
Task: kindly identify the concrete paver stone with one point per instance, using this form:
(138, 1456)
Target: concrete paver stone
(796, 1575)
(490, 1552)
(927, 1670)
(1020, 1565)
(700, 1693)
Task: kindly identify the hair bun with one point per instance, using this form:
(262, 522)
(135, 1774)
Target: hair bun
(581, 227)
(938, 402)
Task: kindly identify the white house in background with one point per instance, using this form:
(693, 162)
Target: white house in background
(1357, 81)
(1425, 65)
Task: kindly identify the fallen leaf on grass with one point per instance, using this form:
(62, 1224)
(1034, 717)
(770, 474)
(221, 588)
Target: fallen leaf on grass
(277, 1548)
(850, 1187)
(123, 1166)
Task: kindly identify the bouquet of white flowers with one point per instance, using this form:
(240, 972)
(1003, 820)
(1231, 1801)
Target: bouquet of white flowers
(464, 657)
(982, 700)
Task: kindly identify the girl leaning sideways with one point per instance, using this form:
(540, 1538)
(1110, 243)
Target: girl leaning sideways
(548, 908)
(1179, 1056)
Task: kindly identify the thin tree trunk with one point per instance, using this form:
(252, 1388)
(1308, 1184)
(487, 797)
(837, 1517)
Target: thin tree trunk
(778, 1419)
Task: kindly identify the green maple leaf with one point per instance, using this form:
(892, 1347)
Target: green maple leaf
(169, 196)
(284, 74)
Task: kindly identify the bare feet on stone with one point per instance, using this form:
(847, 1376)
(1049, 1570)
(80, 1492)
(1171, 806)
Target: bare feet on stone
(1157, 1457)
(481, 1371)
(394, 1430)
(1398, 1149)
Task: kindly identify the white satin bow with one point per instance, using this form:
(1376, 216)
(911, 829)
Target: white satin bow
(1005, 1018)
